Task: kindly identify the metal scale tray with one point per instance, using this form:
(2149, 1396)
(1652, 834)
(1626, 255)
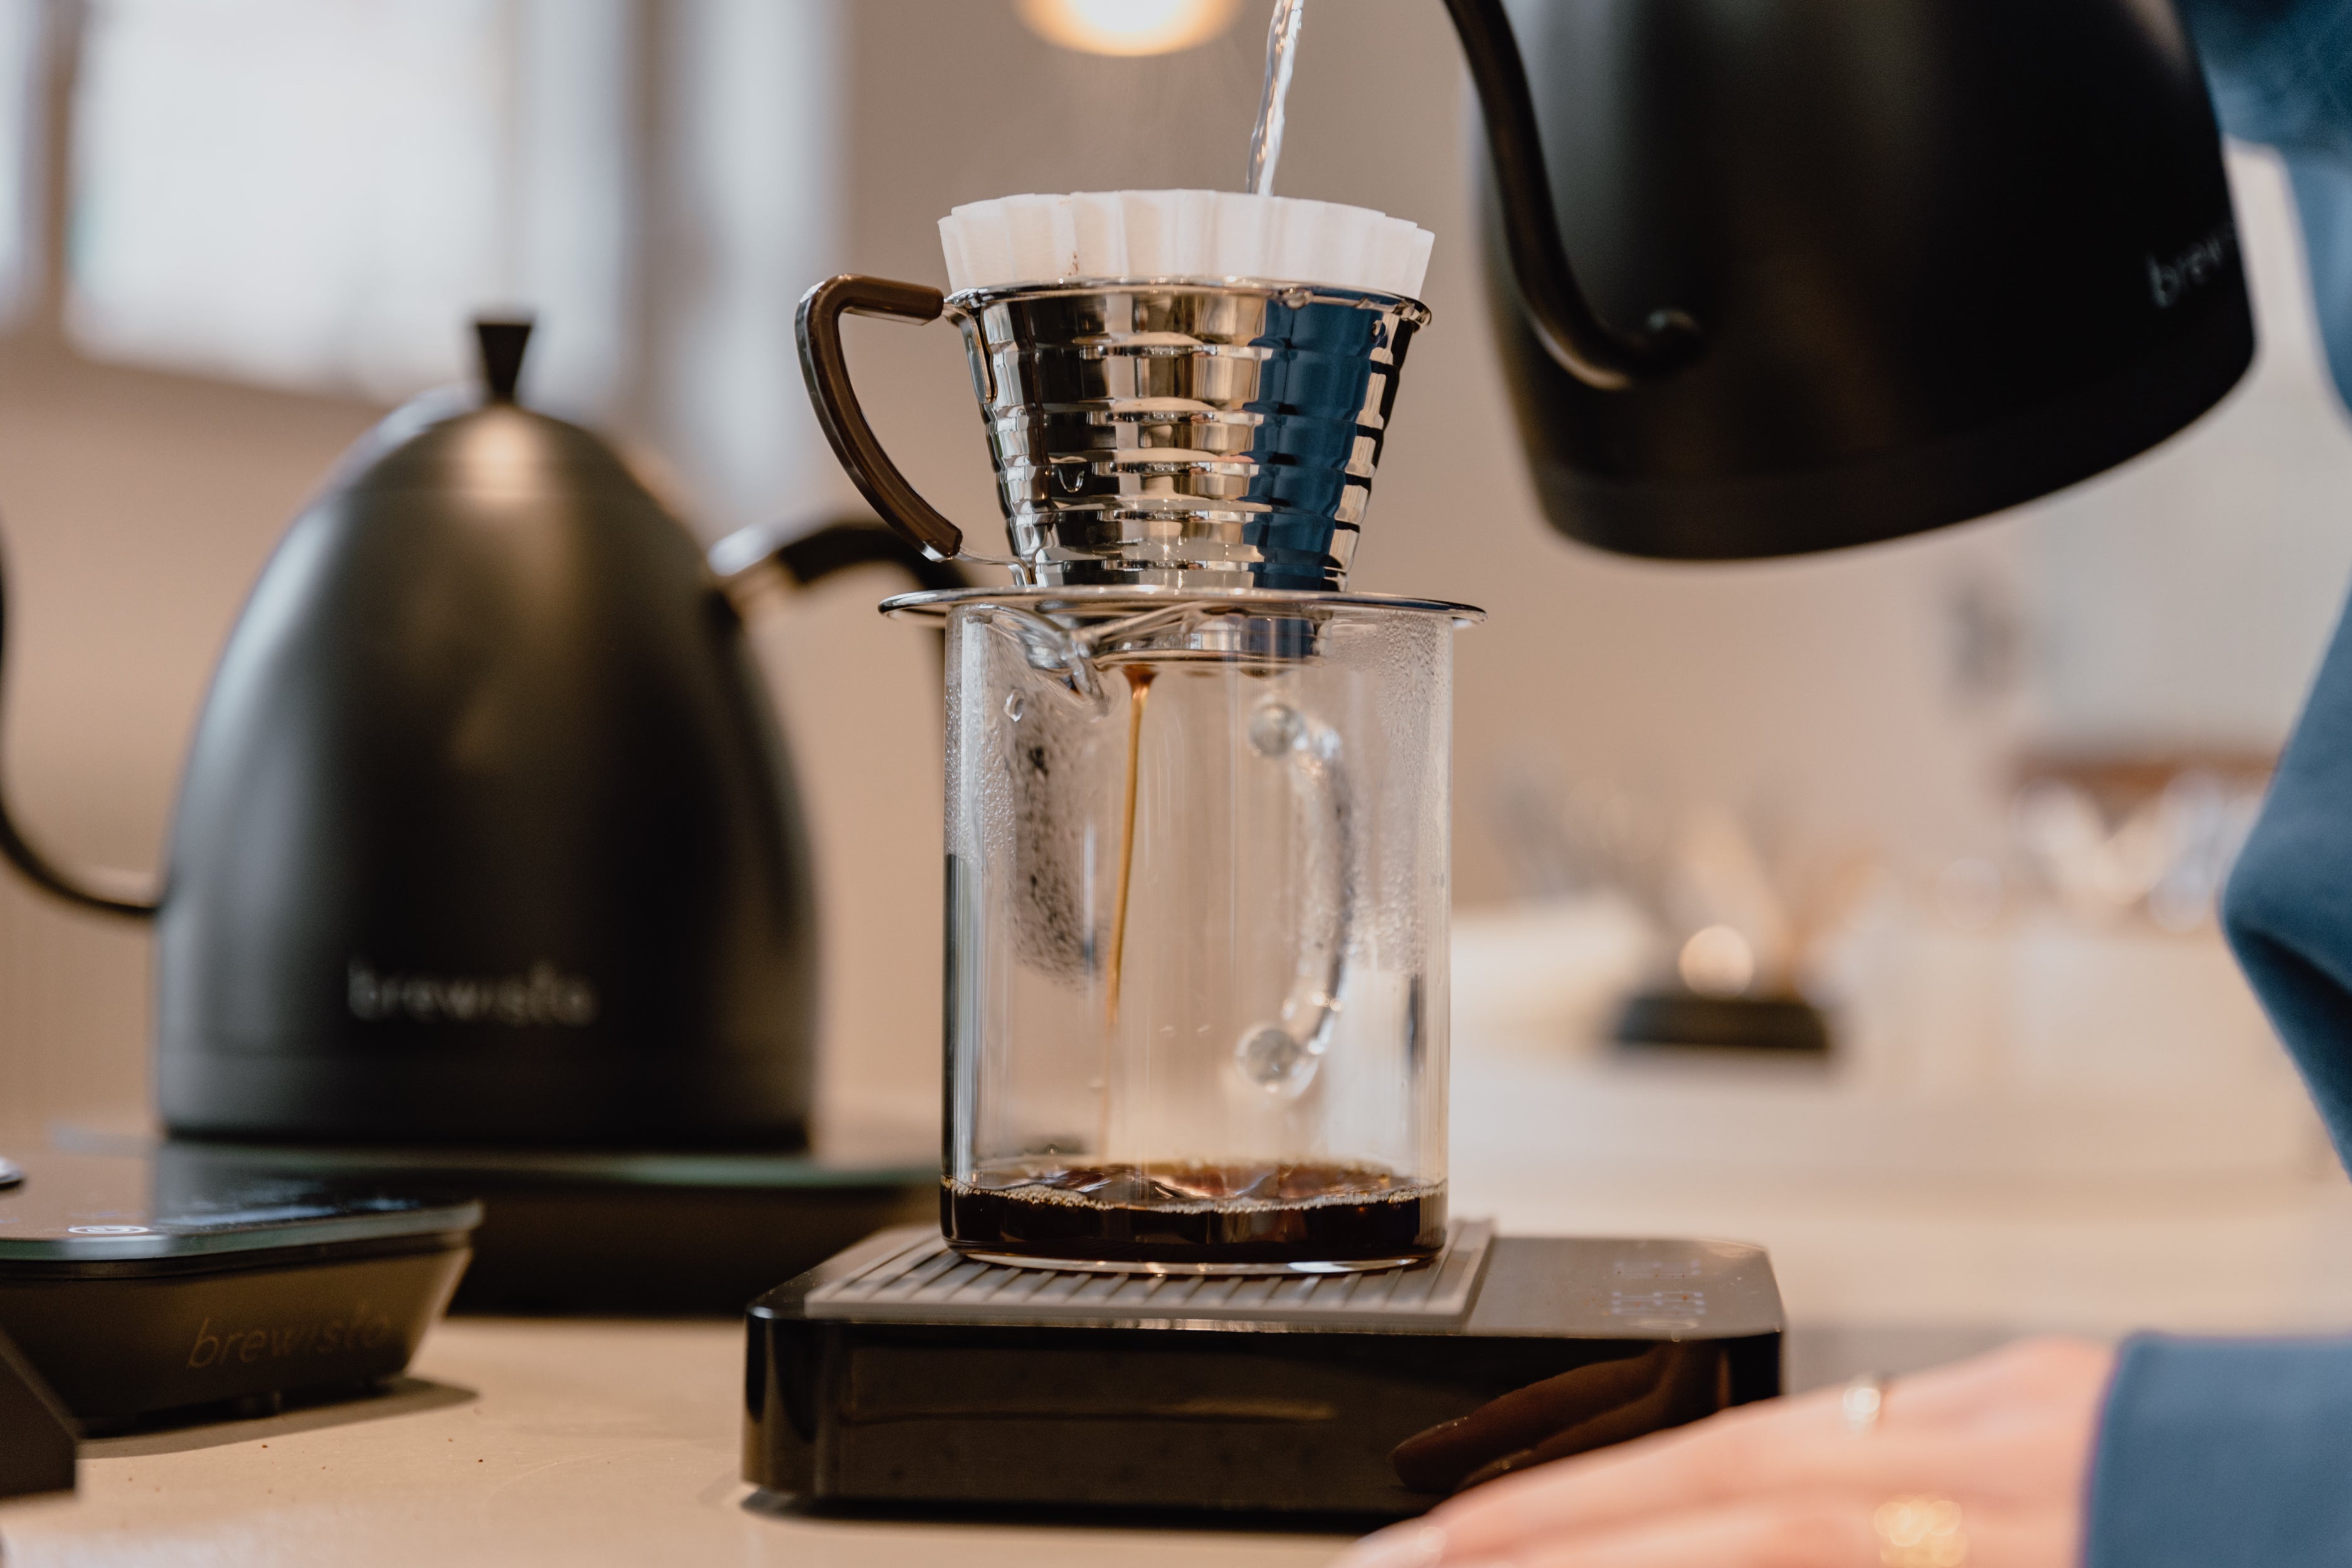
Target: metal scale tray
(925, 1280)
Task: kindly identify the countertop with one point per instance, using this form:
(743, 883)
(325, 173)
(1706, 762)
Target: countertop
(525, 1441)
(587, 1443)
(520, 1442)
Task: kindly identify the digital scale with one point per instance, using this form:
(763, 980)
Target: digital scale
(901, 1375)
(135, 1292)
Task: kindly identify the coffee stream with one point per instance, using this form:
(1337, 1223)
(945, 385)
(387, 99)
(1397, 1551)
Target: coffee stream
(1281, 56)
(1138, 685)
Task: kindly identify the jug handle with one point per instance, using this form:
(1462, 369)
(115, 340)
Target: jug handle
(1571, 332)
(825, 367)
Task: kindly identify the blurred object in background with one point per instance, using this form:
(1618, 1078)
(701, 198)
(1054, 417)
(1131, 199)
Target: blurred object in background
(2154, 837)
(1546, 976)
(1562, 837)
(1754, 912)
(1742, 915)
(1127, 27)
(1761, 898)
(2046, 1003)
(2064, 1008)
(2037, 1047)
(2093, 965)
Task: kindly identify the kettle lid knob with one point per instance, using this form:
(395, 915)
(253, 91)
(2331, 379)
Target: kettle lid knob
(502, 339)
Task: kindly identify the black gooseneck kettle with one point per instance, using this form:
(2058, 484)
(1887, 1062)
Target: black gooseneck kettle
(487, 835)
(1893, 263)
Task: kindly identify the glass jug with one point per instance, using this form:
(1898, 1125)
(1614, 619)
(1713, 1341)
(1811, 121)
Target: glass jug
(1196, 934)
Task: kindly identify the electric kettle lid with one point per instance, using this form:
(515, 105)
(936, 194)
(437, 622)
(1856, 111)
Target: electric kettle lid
(480, 441)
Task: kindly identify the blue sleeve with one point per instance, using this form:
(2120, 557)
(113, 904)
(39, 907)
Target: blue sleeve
(2225, 1454)
(2215, 1452)
(2281, 73)
(2288, 910)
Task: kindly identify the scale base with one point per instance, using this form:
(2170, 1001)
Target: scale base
(898, 1378)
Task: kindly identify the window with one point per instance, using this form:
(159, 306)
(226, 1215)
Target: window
(20, 149)
(317, 194)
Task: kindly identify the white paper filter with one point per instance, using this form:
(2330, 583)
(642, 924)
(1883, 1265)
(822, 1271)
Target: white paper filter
(1181, 234)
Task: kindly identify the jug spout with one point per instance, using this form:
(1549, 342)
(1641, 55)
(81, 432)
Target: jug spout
(1072, 637)
(1046, 646)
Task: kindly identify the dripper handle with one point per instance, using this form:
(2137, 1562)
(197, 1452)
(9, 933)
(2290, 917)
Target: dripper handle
(825, 367)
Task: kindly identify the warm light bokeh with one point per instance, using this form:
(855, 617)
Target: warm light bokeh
(1127, 27)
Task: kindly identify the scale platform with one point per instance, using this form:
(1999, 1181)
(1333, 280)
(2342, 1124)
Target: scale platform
(900, 1377)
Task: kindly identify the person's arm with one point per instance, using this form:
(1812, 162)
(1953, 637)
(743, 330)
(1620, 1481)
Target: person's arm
(2281, 73)
(2225, 1452)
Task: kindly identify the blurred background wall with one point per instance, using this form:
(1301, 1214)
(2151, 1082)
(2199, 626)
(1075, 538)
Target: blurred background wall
(239, 229)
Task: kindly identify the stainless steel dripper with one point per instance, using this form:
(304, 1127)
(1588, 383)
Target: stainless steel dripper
(1146, 433)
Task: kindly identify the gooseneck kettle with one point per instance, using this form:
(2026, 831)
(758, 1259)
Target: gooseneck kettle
(1778, 276)
(486, 834)
(1846, 269)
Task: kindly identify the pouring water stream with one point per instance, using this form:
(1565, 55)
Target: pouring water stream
(1281, 56)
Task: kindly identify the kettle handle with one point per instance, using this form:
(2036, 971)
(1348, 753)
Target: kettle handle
(825, 367)
(1570, 330)
(45, 873)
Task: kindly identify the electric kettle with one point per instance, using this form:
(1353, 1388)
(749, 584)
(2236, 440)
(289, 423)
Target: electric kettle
(486, 834)
(1846, 269)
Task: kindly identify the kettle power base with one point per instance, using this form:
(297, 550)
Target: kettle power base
(586, 1231)
(885, 1382)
